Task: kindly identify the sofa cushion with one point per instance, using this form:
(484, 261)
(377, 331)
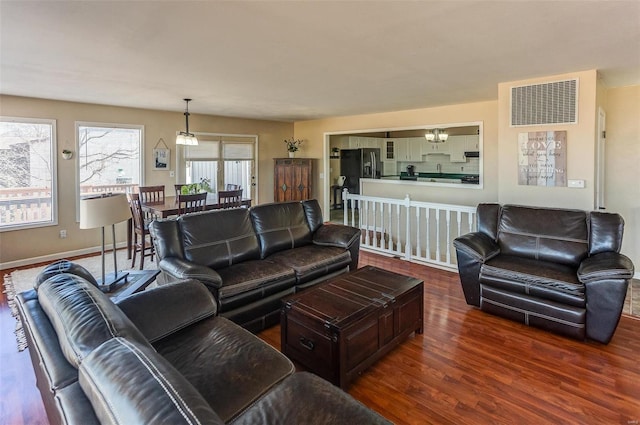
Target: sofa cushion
(215, 355)
(219, 238)
(316, 402)
(541, 279)
(606, 232)
(128, 383)
(312, 261)
(83, 316)
(547, 234)
(280, 226)
(253, 280)
(64, 266)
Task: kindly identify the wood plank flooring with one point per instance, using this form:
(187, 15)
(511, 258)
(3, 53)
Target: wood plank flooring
(467, 368)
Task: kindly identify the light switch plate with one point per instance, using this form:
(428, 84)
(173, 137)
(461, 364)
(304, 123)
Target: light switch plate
(576, 184)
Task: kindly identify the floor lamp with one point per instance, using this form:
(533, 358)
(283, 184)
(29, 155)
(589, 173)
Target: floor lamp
(101, 211)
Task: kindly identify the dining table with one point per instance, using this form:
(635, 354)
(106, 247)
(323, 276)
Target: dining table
(169, 207)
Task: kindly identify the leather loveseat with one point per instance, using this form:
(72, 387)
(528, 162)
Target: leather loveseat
(250, 258)
(163, 356)
(557, 269)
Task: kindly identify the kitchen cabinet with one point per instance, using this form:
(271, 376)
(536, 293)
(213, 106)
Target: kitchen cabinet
(457, 148)
(293, 179)
(356, 142)
(409, 149)
(431, 148)
(472, 143)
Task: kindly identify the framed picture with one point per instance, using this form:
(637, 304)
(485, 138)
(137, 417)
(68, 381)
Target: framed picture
(161, 158)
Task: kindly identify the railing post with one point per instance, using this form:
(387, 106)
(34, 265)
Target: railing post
(407, 245)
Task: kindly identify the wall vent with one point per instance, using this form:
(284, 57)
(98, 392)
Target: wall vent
(547, 103)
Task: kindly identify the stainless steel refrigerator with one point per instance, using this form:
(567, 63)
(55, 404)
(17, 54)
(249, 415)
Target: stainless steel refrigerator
(359, 163)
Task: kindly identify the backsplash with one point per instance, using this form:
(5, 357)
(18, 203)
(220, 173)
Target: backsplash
(472, 166)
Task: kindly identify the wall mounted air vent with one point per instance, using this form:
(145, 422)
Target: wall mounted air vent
(547, 103)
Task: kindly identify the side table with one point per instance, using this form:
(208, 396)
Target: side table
(137, 281)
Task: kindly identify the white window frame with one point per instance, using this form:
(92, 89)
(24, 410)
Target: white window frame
(79, 124)
(54, 174)
(249, 192)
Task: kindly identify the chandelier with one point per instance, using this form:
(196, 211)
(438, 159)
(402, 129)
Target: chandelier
(436, 136)
(184, 137)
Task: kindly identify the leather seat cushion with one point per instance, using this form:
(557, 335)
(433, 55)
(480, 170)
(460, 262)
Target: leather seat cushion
(215, 355)
(541, 279)
(252, 280)
(317, 402)
(312, 261)
(532, 311)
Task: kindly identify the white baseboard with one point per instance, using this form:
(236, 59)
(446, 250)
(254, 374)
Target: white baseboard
(56, 256)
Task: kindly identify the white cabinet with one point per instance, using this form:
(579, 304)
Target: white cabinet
(457, 148)
(409, 149)
(472, 143)
(431, 148)
(356, 142)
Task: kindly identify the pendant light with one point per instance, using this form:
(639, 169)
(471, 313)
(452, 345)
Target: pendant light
(436, 136)
(184, 137)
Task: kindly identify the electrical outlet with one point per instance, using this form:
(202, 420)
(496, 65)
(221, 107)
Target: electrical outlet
(63, 234)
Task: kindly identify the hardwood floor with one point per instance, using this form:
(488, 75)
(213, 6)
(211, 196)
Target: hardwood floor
(467, 368)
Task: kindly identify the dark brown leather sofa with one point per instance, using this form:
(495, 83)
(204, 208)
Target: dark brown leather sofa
(163, 356)
(556, 269)
(250, 258)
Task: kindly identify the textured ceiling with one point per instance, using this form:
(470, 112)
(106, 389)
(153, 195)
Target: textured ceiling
(306, 60)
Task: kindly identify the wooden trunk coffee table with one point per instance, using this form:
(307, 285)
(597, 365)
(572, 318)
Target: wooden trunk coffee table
(340, 327)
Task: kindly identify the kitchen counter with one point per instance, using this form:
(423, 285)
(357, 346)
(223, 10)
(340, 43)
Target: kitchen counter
(437, 177)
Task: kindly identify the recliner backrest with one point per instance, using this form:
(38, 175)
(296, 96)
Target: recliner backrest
(219, 238)
(557, 235)
(280, 226)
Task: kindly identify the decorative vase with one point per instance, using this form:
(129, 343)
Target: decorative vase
(292, 154)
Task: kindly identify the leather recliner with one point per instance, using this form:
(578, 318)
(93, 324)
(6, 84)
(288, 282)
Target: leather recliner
(557, 269)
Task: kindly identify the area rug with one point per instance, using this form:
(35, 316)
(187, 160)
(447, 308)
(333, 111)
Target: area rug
(23, 280)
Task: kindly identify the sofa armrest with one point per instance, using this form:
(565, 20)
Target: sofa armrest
(336, 235)
(164, 310)
(472, 251)
(606, 265)
(606, 278)
(477, 245)
(179, 268)
(342, 236)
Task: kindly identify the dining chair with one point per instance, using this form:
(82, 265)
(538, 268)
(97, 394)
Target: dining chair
(178, 188)
(231, 186)
(192, 203)
(230, 198)
(151, 194)
(140, 229)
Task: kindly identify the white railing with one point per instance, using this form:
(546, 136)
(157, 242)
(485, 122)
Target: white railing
(413, 230)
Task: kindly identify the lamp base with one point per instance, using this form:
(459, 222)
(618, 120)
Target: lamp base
(112, 281)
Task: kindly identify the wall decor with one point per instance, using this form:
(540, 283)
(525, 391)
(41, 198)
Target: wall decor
(542, 158)
(161, 156)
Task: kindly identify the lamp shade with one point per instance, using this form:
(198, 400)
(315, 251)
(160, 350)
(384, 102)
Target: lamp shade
(104, 210)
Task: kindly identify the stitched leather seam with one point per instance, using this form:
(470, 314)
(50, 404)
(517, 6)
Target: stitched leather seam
(182, 326)
(543, 316)
(160, 379)
(219, 242)
(557, 238)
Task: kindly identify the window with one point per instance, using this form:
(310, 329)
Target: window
(222, 159)
(27, 173)
(109, 157)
